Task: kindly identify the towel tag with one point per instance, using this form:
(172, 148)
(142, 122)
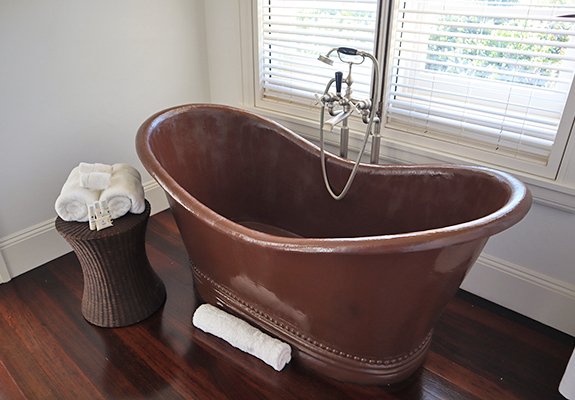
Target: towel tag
(99, 215)
(92, 216)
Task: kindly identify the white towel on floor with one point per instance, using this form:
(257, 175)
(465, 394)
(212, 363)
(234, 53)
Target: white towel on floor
(95, 176)
(125, 193)
(242, 335)
(72, 203)
(567, 385)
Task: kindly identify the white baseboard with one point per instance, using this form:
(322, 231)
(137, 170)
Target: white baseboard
(156, 196)
(38, 244)
(4, 274)
(535, 295)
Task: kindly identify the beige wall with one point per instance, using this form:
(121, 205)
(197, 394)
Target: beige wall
(77, 78)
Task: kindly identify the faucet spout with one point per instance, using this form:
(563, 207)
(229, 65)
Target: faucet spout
(338, 118)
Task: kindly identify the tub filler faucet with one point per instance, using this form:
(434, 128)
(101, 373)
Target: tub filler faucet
(341, 106)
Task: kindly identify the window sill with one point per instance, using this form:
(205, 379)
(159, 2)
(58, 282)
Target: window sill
(547, 192)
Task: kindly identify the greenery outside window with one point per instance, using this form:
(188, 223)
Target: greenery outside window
(491, 77)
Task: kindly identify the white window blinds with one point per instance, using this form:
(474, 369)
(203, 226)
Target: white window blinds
(294, 33)
(493, 75)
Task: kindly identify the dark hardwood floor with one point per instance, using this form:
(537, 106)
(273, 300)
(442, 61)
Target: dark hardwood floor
(48, 351)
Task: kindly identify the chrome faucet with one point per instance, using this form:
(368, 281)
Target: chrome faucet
(342, 106)
(347, 104)
(341, 115)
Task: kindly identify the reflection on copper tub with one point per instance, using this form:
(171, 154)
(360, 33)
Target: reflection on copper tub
(355, 286)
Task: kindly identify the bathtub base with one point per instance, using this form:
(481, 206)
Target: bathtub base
(310, 352)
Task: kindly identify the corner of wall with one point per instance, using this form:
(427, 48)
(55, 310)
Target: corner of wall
(38, 244)
(224, 51)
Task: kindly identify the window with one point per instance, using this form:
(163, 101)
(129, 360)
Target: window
(294, 33)
(490, 80)
(490, 76)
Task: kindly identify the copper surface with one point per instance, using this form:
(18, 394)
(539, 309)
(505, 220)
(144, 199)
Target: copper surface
(355, 285)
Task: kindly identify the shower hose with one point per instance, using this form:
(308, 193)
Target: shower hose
(351, 177)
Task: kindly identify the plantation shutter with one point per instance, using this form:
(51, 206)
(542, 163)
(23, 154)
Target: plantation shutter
(492, 75)
(295, 33)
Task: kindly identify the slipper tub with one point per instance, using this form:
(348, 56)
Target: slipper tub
(356, 285)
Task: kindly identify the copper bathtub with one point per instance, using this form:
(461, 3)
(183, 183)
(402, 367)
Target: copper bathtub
(355, 286)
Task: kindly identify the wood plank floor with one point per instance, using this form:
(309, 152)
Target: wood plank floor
(48, 351)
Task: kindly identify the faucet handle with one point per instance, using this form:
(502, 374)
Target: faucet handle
(338, 80)
(348, 51)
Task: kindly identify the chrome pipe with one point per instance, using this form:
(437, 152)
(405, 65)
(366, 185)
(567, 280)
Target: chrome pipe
(375, 142)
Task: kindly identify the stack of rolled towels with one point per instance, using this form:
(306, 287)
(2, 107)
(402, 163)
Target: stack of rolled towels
(120, 185)
(242, 335)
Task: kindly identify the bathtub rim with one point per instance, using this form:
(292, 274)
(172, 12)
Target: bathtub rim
(511, 212)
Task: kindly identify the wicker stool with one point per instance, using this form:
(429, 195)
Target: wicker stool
(120, 287)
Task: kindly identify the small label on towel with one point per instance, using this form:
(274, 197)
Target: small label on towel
(92, 217)
(99, 215)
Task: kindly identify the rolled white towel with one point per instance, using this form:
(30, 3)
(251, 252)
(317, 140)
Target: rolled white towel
(95, 176)
(72, 203)
(567, 385)
(242, 335)
(125, 193)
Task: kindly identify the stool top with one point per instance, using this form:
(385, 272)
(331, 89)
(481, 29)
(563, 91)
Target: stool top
(81, 230)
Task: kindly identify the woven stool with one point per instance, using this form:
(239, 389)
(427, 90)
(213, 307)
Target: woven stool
(120, 287)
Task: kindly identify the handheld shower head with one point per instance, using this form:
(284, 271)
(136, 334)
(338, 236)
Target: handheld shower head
(325, 59)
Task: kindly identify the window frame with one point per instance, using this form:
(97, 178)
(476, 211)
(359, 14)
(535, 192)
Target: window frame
(556, 190)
